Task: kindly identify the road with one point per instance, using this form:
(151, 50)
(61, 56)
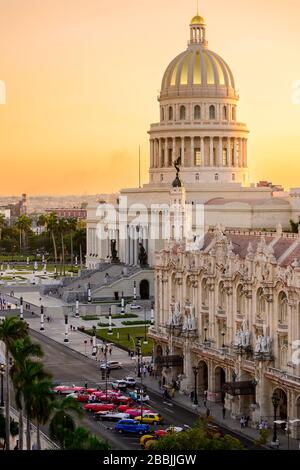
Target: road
(68, 366)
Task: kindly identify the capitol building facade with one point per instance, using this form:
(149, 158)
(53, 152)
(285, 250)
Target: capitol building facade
(227, 304)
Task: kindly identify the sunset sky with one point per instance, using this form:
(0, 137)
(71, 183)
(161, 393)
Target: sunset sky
(83, 76)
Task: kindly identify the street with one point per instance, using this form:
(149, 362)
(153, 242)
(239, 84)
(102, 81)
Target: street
(70, 367)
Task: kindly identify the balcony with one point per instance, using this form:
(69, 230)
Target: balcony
(221, 313)
(282, 327)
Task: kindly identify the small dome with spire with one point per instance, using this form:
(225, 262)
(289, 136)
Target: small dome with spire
(197, 20)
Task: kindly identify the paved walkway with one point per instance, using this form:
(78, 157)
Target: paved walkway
(55, 331)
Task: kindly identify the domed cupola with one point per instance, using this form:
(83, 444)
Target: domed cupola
(198, 120)
(198, 71)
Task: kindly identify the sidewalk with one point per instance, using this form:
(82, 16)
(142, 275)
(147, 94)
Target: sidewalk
(55, 331)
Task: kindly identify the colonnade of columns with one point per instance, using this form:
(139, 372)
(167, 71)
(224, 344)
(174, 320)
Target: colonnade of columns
(206, 151)
(132, 241)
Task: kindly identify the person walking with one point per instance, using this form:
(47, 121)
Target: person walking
(224, 412)
(207, 413)
(192, 396)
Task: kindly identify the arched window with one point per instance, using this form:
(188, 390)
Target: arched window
(216, 177)
(170, 113)
(162, 114)
(233, 113)
(197, 112)
(224, 114)
(282, 308)
(212, 112)
(182, 113)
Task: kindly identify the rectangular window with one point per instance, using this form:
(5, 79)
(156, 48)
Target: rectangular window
(198, 158)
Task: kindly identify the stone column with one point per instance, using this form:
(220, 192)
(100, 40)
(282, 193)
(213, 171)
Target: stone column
(202, 152)
(174, 149)
(192, 161)
(160, 153)
(241, 156)
(245, 155)
(220, 156)
(228, 151)
(182, 152)
(211, 151)
(235, 151)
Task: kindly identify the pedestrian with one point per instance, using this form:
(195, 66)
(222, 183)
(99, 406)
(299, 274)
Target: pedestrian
(159, 383)
(247, 421)
(129, 352)
(110, 351)
(242, 422)
(102, 349)
(204, 403)
(224, 412)
(132, 354)
(207, 413)
(192, 395)
(71, 327)
(91, 341)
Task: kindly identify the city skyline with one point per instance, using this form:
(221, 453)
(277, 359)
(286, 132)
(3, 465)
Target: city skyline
(82, 85)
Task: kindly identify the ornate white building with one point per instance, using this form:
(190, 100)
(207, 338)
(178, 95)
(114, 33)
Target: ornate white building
(232, 309)
(198, 125)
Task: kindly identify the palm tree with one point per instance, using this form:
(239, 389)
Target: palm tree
(23, 224)
(2, 224)
(72, 225)
(22, 350)
(14, 429)
(32, 372)
(63, 420)
(52, 226)
(11, 329)
(62, 228)
(42, 404)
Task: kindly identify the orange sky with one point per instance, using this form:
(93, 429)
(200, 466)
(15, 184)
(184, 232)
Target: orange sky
(82, 78)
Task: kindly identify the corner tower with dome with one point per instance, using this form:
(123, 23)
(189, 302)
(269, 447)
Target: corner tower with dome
(198, 119)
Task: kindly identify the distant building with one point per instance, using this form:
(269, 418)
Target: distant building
(69, 212)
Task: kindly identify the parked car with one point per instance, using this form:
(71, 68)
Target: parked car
(145, 438)
(134, 412)
(137, 396)
(110, 365)
(81, 397)
(130, 381)
(135, 307)
(99, 407)
(131, 426)
(150, 418)
(110, 416)
(119, 385)
(121, 400)
(167, 431)
(67, 389)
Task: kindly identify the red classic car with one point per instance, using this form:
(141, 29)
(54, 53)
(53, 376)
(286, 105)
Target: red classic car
(98, 407)
(67, 389)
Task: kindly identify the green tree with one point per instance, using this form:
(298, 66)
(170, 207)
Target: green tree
(24, 225)
(81, 439)
(41, 404)
(72, 226)
(63, 419)
(2, 224)
(32, 372)
(14, 429)
(11, 329)
(197, 438)
(62, 229)
(22, 350)
(52, 227)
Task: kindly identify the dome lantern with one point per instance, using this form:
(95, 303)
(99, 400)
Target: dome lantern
(198, 30)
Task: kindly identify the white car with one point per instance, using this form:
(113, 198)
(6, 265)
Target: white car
(135, 307)
(110, 365)
(108, 416)
(130, 381)
(119, 384)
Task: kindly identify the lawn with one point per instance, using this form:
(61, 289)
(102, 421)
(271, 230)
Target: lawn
(126, 337)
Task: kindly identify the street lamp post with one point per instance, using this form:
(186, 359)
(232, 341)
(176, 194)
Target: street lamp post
(77, 307)
(139, 338)
(122, 304)
(85, 343)
(42, 319)
(2, 390)
(66, 340)
(94, 352)
(134, 291)
(152, 313)
(21, 309)
(195, 370)
(275, 402)
(89, 293)
(145, 325)
(223, 336)
(109, 322)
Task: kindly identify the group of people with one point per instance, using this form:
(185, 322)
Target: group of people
(263, 424)
(244, 421)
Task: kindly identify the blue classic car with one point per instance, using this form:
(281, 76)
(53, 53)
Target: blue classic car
(131, 426)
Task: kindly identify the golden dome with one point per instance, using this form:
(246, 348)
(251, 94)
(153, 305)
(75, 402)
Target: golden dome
(197, 20)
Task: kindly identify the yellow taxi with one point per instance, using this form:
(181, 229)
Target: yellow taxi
(150, 418)
(145, 438)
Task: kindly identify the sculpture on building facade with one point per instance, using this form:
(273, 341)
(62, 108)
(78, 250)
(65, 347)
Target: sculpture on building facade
(175, 318)
(114, 252)
(143, 257)
(263, 344)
